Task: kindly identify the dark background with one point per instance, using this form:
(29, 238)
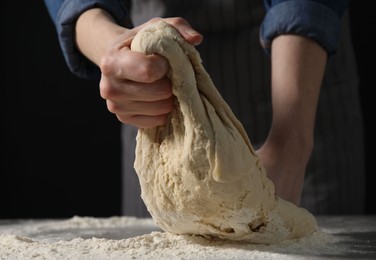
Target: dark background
(60, 147)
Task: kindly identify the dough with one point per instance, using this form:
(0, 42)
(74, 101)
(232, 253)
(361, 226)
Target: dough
(199, 173)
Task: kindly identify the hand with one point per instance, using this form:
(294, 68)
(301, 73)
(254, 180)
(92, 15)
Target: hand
(135, 85)
(285, 160)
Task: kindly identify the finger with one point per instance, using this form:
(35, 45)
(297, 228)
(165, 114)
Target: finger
(135, 66)
(185, 29)
(123, 91)
(158, 90)
(142, 121)
(132, 108)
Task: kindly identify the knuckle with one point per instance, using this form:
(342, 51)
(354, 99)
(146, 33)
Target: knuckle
(124, 119)
(168, 106)
(149, 71)
(177, 20)
(144, 71)
(112, 107)
(164, 107)
(105, 90)
(106, 65)
(161, 120)
(166, 91)
(155, 19)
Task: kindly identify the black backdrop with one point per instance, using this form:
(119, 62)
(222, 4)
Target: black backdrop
(60, 147)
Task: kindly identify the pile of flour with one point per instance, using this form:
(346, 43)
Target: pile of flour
(132, 238)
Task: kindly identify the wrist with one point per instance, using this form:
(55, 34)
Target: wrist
(96, 26)
(290, 145)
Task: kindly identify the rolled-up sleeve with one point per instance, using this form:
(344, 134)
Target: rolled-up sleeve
(64, 14)
(318, 20)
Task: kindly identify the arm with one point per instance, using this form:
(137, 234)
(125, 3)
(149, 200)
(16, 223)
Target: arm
(95, 36)
(65, 13)
(299, 36)
(297, 70)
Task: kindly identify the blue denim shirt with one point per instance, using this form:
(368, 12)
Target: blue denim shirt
(316, 19)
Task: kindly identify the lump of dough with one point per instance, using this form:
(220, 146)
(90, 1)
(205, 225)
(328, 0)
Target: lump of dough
(199, 173)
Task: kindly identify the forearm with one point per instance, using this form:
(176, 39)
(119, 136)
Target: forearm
(96, 26)
(65, 13)
(298, 65)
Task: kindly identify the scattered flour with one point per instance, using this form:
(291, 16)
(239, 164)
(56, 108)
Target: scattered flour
(132, 238)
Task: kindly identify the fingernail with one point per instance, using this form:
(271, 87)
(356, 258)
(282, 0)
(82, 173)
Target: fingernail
(192, 32)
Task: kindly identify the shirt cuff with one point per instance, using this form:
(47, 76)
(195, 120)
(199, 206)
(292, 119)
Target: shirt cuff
(306, 18)
(66, 22)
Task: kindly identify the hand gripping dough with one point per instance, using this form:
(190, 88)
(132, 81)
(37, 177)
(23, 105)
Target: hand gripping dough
(199, 173)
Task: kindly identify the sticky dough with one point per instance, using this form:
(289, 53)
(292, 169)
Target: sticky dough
(199, 173)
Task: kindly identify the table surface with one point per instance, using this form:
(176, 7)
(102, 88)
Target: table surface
(357, 233)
